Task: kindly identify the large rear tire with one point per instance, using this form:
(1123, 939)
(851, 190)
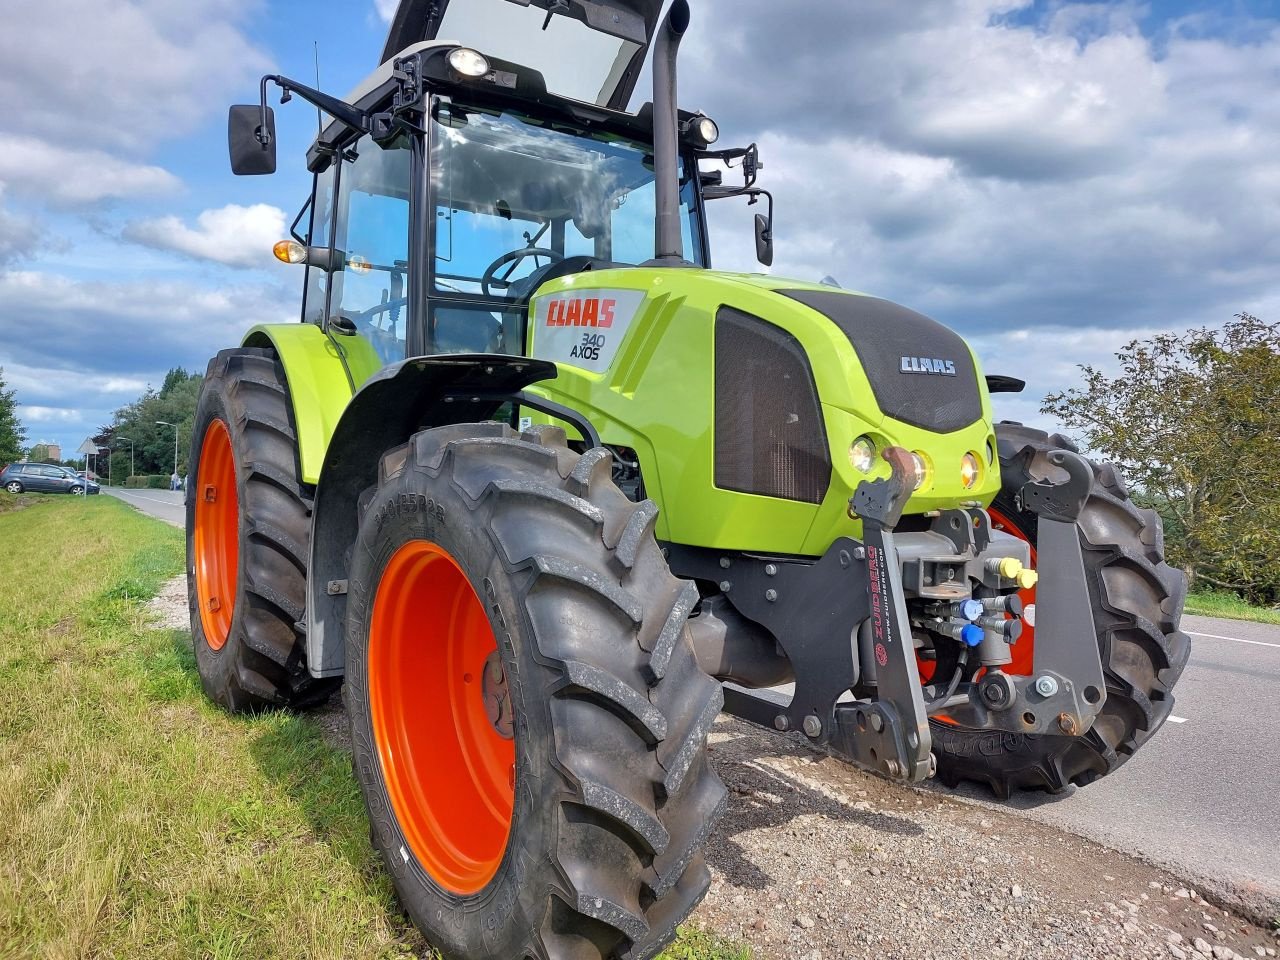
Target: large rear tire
(248, 531)
(528, 720)
(1137, 603)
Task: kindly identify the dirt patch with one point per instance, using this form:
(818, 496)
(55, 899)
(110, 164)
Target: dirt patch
(169, 606)
(333, 723)
(817, 860)
(11, 503)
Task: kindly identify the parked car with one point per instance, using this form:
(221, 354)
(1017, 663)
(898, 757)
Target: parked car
(44, 478)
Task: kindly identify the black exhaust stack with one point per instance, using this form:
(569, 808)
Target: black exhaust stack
(666, 154)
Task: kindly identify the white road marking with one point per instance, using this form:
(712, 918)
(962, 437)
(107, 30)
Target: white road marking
(1173, 719)
(167, 503)
(1214, 636)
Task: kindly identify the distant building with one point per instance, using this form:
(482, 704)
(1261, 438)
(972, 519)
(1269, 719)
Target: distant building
(55, 451)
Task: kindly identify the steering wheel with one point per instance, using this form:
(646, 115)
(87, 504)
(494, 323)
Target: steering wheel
(367, 316)
(513, 257)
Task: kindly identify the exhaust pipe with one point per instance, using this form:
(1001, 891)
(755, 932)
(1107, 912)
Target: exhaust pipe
(666, 152)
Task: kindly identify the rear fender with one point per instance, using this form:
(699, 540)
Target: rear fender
(393, 405)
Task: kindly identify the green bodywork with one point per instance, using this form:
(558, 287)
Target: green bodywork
(657, 397)
(321, 381)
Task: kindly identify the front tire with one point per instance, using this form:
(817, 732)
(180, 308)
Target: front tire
(502, 586)
(1137, 603)
(248, 531)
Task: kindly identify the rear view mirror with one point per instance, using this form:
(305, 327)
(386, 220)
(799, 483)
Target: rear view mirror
(764, 239)
(250, 156)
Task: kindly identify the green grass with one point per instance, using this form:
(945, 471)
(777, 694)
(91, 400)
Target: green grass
(136, 820)
(695, 944)
(1211, 603)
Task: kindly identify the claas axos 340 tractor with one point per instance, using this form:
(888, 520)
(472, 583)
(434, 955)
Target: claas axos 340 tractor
(545, 494)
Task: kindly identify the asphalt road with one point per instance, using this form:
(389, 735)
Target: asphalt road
(165, 504)
(1202, 798)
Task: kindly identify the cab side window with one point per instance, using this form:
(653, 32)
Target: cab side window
(371, 230)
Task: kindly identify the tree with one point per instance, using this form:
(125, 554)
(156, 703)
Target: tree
(152, 443)
(12, 434)
(1194, 420)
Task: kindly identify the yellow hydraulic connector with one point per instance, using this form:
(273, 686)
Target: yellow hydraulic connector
(1027, 578)
(1006, 567)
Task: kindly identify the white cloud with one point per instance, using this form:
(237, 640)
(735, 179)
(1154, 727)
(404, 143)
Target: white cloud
(121, 73)
(232, 235)
(1073, 182)
(126, 385)
(115, 329)
(18, 234)
(67, 176)
(38, 414)
(386, 8)
(95, 346)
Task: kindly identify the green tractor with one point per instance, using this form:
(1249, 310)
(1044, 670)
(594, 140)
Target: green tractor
(545, 494)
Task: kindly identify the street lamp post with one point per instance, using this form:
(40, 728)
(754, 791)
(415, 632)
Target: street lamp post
(131, 467)
(166, 423)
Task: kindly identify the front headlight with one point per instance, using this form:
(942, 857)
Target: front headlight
(862, 454)
(922, 468)
(970, 470)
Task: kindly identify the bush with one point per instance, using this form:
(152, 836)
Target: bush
(155, 481)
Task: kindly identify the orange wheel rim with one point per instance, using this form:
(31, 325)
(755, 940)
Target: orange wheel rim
(217, 536)
(441, 717)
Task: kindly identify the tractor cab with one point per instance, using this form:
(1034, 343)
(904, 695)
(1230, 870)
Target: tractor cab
(453, 183)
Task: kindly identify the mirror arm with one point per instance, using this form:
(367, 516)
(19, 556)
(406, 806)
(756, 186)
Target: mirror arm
(756, 193)
(750, 157)
(340, 110)
(293, 227)
(723, 193)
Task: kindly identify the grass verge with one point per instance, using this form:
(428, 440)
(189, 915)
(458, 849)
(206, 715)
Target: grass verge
(1211, 603)
(136, 820)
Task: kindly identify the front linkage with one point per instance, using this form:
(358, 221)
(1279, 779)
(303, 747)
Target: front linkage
(855, 621)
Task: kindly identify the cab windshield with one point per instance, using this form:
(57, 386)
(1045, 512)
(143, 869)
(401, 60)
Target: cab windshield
(513, 196)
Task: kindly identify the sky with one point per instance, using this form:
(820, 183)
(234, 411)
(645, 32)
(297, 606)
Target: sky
(1050, 179)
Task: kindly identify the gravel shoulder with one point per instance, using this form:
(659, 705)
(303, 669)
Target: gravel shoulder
(817, 860)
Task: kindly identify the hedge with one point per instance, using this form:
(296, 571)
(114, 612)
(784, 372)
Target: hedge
(155, 481)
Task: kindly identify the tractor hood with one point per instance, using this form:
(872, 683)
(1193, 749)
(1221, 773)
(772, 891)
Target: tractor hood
(587, 50)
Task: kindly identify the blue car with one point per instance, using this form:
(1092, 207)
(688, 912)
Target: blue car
(44, 478)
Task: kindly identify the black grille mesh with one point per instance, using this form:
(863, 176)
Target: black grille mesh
(770, 438)
(882, 333)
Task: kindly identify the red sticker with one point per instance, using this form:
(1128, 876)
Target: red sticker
(882, 655)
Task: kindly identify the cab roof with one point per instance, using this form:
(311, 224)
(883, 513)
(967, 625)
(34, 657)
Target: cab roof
(586, 50)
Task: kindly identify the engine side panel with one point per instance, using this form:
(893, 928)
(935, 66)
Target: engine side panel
(655, 391)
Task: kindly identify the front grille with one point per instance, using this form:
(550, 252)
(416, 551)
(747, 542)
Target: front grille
(770, 438)
(883, 334)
